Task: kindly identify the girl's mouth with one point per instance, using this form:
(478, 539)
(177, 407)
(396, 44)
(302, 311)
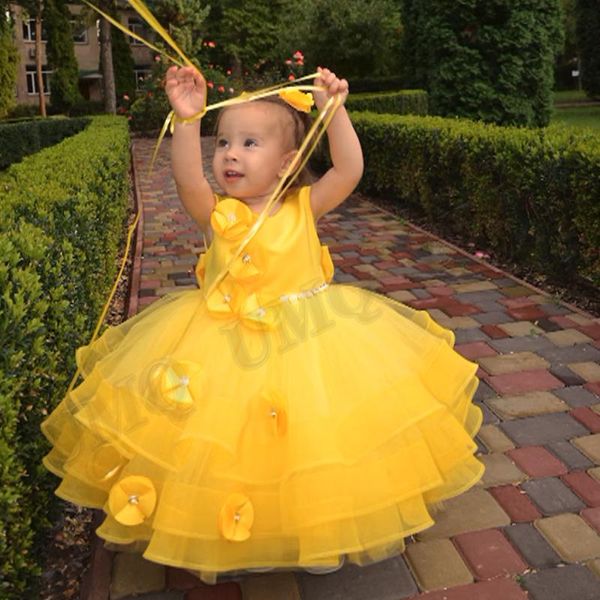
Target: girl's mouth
(232, 175)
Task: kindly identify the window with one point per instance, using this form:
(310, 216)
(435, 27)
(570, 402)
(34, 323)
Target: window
(79, 32)
(32, 87)
(29, 31)
(141, 74)
(137, 26)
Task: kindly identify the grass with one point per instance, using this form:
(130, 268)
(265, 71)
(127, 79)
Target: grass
(584, 117)
(570, 96)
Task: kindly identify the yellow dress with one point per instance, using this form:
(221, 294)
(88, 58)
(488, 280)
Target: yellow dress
(282, 422)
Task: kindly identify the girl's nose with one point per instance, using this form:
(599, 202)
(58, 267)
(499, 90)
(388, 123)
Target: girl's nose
(230, 153)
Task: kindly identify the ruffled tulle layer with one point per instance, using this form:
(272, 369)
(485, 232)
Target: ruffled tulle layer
(226, 447)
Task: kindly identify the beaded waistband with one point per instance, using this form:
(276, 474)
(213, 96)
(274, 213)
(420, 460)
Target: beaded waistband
(304, 294)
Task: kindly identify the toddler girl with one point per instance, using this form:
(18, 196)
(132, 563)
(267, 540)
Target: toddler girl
(270, 418)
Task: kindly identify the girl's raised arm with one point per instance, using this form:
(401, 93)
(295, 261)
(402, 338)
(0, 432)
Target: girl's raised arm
(344, 148)
(186, 90)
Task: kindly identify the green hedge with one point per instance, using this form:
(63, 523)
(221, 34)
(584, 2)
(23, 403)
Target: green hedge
(61, 225)
(376, 84)
(28, 137)
(531, 196)
(403, 102)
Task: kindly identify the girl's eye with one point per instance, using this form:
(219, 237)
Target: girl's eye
(221, 143)
(249, 143)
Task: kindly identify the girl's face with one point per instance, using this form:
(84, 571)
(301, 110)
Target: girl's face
(252, 150)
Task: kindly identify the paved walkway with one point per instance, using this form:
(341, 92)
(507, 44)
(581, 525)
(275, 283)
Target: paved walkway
(530, 530)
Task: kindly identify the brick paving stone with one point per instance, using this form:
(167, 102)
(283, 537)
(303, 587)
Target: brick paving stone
(540, 430)
(552, 496)
(276, 586)
(478, 297)
(594, 472)
(511, 363)
(592, 517)
(586, 487)
(387, 580)
(590, 446)
(565, 374)
(532, 546)
(567, 337)
(515, 502)
(577, 396)
(499, 589)
(593, 387)
(180, 579)
(590, 371)
(494, 332)
(514, 291)
(494, 439)
(477, 286)
(500, 470)
(536, 461)
(572, 538)
(527, 313)
(494, 317)
(436, 564)
(547, 325)
(489, 418)
(566, 452)
(465, 336)
(527, 405)
(534, 343)
(524, 381)
(471, 511)
(220, 591)
(520, 329)
(570, 354)
(484, 391)
(589, 418)
(489, 554)
(474, 350)
(133, 574)
(571, 582)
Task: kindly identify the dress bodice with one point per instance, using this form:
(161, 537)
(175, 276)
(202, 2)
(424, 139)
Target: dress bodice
(284, 260)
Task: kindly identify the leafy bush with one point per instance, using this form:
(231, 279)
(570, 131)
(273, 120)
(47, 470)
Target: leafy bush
(376, 84)
(22, 138)
(403, 102)
(588, 31)
(61, 225)
(531, 196)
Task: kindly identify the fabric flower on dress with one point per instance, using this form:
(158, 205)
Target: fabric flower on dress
(247, 266)
(132, 500)
(273, 406)
(172, 383)
(236, 518)
(326, 264)
(231, 219)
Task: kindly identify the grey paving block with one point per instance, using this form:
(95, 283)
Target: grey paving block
(570, 354)
(571, 582)
(533, 343)
(543, 429)
(342, 277)
(547, 325)
(567, 376)
(492, 318)
(479, 297)
(489, 418)
(484, 391)
(536, 551)
(387, 580)
(552, 496)
(566, 452)
(553, 310)
(420, 293)
(577, 396)
(491, 306)
(464, 336)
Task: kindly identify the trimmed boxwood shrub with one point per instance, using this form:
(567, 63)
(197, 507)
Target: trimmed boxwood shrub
(403, 102)
(531, 196)
(22, 138)
(61, 225)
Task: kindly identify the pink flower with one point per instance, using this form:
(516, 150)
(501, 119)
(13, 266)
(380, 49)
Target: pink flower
(125, 97)
(300, 62)
(221, 89)
(157, 58)
(211, 44)
(231, 90)
(210, 84)
(480, 254)
(228, 71)
(298, 54)
(288, 62)
(291, 77)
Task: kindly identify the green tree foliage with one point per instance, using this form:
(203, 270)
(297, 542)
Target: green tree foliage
(123, 64)
(588, 34)
(356, 38)
(491, 60)
(8, 63)
(64, 87)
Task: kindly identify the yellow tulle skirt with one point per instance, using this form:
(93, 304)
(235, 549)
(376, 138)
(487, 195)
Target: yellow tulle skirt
(221, 446)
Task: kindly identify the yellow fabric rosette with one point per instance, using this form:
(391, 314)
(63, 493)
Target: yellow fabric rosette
(170, 382)
(299, 100)
(132, 500)
(231, 219)
(236, 518)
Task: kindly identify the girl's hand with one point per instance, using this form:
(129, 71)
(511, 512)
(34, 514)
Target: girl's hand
(332, 84)
(186, 90)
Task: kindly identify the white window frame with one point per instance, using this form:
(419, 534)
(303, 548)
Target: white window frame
(29, 31)
(141, 74)
(75, 23)
(136, 25)
(31, 80)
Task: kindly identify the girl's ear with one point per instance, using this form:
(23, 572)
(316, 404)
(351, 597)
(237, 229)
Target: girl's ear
(287, 158)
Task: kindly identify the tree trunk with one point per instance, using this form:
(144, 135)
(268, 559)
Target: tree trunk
(108, 75)
(38, 60)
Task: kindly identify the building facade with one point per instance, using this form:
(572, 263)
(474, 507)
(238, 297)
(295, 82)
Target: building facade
(87, 52)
